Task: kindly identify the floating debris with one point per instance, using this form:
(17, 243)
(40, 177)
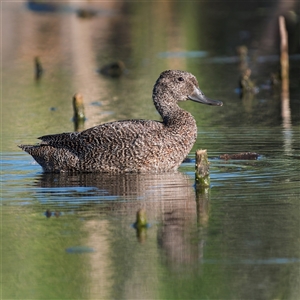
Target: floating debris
(57, 214)
(86, 13)
(49, 213)
(114, 69)
(241, 156)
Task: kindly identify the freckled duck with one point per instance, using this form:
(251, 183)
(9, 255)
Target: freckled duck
(130, 145)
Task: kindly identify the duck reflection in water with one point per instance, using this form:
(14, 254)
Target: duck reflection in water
(169, 200)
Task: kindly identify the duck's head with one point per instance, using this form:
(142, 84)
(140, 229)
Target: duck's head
(181, 86)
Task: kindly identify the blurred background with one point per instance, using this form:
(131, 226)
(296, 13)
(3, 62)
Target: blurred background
(75, 40)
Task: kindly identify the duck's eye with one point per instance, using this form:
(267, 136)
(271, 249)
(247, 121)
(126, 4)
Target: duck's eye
(180, 79)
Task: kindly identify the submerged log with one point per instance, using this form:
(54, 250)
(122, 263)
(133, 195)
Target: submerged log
(242, 156)
(202, 168)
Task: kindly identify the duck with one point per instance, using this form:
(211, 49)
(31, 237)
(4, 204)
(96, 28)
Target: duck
(136, 145)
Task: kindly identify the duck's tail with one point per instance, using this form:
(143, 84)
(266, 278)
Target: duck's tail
(27, 148)
(52, 159)
(40, 154)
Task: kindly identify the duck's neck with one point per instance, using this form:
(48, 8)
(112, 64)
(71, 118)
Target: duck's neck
(169, 110)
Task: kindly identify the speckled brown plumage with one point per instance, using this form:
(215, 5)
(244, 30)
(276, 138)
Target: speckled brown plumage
(131, 145)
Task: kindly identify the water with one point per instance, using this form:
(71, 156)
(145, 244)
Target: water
(72, 237)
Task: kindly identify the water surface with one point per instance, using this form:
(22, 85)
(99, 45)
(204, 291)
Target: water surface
(72, 236)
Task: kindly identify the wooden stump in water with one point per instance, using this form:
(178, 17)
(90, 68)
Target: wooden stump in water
(202, 169)
(284, 62)
(202, 187)
(284, 55)
(78, 107)
(38, 69)
(141, 218)
(141, 225)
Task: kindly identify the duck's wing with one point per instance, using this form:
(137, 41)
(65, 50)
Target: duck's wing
(58, 139)
(104, 135)
(120, 131)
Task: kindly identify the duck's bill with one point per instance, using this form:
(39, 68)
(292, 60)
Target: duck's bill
(199, 97)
